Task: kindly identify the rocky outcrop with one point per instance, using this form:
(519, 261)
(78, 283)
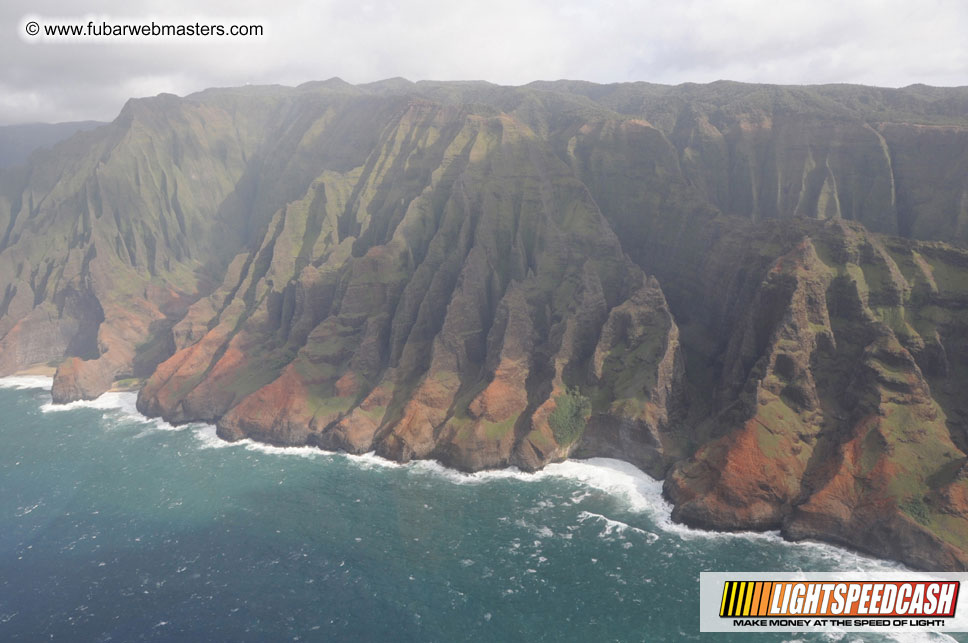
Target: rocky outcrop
(825, 425)
(446, 325)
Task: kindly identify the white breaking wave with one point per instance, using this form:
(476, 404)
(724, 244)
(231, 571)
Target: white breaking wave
(205, 434)
(643, 493)
(616, 527)
(122, 404)
(113, 401)
(619, 479)
(27, 381)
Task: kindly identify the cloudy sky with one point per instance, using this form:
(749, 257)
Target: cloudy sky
(878, 42)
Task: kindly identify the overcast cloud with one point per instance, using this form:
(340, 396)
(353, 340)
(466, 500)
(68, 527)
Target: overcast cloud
(875, 42)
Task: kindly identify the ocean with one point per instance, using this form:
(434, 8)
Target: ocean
(114, 527)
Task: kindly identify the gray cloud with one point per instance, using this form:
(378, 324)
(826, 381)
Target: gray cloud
(878, 42)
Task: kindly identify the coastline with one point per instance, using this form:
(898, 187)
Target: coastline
(610, 475)
(132, 385)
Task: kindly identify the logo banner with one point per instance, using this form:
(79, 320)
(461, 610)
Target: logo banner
(832, 602)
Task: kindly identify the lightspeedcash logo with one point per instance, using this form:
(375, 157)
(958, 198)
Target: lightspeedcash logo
(819, 599)
(860, 602)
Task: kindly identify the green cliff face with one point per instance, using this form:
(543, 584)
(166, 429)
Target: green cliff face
(757, 292)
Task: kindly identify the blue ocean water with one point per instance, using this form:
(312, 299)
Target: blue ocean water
(118, 528)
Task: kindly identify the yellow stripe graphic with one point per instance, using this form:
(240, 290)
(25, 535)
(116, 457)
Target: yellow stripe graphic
(747, 598)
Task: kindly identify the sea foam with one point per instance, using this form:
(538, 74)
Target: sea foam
(636, 489)
(27, 382)
(643, 494)
(121, 404)
(208, 439)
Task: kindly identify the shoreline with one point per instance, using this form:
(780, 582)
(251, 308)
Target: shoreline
(128, 385)
(43, 370)
(633, 480)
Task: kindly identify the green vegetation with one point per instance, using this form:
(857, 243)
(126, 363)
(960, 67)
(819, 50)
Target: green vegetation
(128, 384)
(572, 410)
(497, 430)
(918, 509)
(409, 244)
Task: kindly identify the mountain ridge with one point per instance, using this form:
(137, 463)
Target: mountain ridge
(742, 289)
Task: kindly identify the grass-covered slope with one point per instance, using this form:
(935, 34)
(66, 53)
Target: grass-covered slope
(435, 301)
(832, 412)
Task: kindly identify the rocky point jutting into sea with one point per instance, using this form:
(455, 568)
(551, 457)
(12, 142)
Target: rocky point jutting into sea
(758, 293)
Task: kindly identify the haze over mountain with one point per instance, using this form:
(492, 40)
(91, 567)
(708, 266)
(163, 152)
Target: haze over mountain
(17, 142)
(759, 293)
(891, 43)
